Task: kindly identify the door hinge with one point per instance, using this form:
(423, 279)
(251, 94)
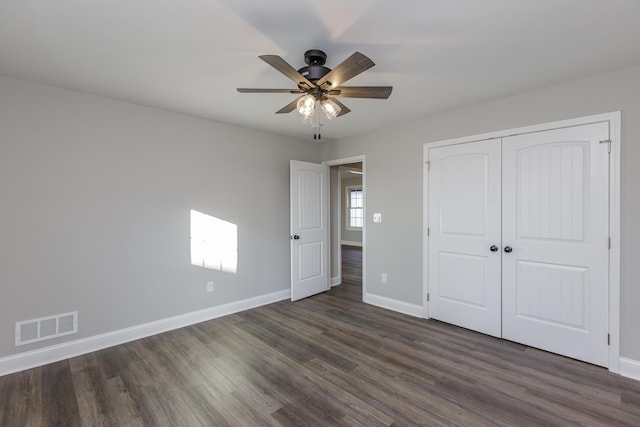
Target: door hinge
(428, 231)
(428, 166)
(609, 243)
(608, 339)
(607, 141)
(427, 296)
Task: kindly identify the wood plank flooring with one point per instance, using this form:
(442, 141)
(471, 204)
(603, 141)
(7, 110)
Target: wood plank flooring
(323, 361)
(351, 265)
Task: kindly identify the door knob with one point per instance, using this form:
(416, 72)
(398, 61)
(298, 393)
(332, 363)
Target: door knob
(295, 237)
(493, 248)
(508, 249)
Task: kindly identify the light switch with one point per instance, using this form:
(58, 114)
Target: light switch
(377, 217)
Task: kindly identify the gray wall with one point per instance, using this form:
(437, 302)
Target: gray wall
(94, 209)
(394, 179)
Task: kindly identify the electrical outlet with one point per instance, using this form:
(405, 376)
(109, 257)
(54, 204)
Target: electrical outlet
(210, 286)
(383, 278)
(377, 217)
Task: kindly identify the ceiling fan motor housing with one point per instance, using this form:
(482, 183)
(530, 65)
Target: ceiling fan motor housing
(314, 72)
(315, 57)
(315, 60)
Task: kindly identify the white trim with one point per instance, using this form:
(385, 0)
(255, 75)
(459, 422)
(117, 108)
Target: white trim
(335, 281)
(338, 225)
(39, 357)
(630, 368)
(355, 159)
(394, 305)
(350, 243)
(614, 232)
(425, 229)
(345, 161)
(578, 121)
(614, 211)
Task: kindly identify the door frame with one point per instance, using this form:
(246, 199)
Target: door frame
(613, 118)
(339, 162)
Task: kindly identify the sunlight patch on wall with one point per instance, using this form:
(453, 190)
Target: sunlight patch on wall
(214, 243)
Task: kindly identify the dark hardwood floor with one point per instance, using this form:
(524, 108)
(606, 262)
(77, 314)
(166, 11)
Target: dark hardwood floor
(326, 360)
(352, 265)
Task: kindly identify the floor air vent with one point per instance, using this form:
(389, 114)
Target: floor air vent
(45, 328)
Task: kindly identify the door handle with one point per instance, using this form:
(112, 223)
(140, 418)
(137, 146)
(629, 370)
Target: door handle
(508, 249)
(493, 248)
(295, 237)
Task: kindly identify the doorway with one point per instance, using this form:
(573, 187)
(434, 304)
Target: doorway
(347, 194)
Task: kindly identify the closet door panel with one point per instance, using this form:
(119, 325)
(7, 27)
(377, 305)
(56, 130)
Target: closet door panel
(555, 219)
(464, 222)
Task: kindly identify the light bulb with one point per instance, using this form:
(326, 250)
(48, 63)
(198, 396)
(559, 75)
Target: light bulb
(330, 108)
(306, 105)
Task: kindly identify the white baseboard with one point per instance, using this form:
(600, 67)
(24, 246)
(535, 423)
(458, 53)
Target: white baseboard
(630, 368)
(350, 243)
(55, 353)
(394, 305)
(335, 281)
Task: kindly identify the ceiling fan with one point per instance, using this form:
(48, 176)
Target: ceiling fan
(318, 84)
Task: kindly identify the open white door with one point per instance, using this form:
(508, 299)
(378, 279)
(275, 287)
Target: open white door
(309, 229)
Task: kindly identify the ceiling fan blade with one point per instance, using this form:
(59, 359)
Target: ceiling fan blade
(349, 68)
(283, 66)
(289, 107)
(343, 108)
(379, 92)
(250, 90)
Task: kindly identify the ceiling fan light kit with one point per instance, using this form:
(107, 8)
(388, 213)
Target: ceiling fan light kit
(330, 108)
(306, 105)
(318, 84)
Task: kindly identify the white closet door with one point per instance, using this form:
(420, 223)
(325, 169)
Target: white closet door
(464, 222)
(555, 219)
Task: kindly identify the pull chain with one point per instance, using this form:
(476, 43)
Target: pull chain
(316, 126)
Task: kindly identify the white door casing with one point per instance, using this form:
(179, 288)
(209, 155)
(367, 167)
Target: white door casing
(309, 232)
(555, 218)
(336, 237)
(464, 213)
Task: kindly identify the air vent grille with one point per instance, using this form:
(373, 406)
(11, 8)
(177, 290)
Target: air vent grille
(67, 323)
(48, 327)
(29, 331)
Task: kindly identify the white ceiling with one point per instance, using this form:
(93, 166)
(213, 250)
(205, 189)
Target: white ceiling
(190, 55)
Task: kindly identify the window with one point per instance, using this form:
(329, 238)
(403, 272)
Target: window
(354, 207)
